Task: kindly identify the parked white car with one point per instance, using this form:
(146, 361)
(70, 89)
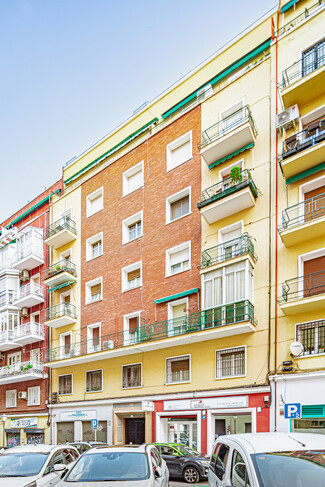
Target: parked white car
(35, 466)
(268, 460)
(125, 466)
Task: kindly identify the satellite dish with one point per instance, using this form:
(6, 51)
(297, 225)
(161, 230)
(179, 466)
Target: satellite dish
(296, 349)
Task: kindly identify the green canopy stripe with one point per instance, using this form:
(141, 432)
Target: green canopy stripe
(288, 5)
(233, 154)
(176, 296)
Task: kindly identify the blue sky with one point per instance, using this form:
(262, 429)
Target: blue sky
(74, 69)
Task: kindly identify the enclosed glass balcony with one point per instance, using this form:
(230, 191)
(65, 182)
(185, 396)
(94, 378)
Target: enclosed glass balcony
(7, 298)
(30, 251)
(61, 232)
(7, 341)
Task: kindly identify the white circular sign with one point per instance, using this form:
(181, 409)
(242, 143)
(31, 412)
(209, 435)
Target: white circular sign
(296, 349)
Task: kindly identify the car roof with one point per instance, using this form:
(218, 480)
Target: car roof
(275, 442)
(33, 449)
(121, 448)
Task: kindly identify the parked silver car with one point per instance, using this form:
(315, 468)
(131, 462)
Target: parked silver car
(125, 466)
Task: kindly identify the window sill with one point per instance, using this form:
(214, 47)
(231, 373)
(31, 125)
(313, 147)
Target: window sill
(136, 189)
(66, 394)
(178, 382)
(93, 258)
(94, 302)
(177, 273)
(132, 387)
(95, 213)
(131, 289)
(230, 377)
(133, 239)
(93, 392)
(29, 405)
(178, 165)
(179, 218)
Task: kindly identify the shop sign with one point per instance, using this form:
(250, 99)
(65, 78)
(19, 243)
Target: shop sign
(23, 423)
(78, 415)
(207, 403)
(148, 406)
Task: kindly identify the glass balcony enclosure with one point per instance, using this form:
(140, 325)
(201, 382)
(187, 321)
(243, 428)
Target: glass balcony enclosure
(29, 248)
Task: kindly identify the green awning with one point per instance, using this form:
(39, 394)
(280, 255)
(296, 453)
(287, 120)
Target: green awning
(113, 149)
(233, 154)
(68, 283)
(288, 5)
(176, 296)
(306, 173)
(219, 77)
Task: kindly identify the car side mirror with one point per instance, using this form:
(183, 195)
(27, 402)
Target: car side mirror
(59, 467)
(158, 472)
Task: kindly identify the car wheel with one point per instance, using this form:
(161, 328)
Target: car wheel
(191, 475)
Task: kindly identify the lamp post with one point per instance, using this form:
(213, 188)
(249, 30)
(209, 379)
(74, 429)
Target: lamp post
(4, 418)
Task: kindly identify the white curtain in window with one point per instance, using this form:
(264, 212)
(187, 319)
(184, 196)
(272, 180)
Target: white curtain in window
(33, 396)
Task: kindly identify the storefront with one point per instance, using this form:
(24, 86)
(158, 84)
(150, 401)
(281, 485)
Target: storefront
(26, 430)
(305, 389)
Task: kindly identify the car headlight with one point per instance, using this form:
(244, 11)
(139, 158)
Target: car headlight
(31, 484)
(205, 463)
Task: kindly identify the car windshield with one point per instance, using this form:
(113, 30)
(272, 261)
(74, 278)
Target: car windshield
(21, 464)
(186, 450)
(291, 469)
(99, 467)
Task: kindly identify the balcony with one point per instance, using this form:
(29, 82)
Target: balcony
(29, 295)
(60, 273)
(60, 315)
(7, 341)
(21, 372)
(30, 251)
(228, 197)
(227, 251)
(29, 333)
(61, 232)
(233, 133)
(7, 298)
(303, 294)
(303, 150)
(227, 320)
(304, 80)
(304, 221)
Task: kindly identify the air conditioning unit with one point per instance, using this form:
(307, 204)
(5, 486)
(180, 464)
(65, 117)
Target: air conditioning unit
(287, 118)
(22, 395)
(204, 93)
(108, 345)
(24, 275)
(24, 312)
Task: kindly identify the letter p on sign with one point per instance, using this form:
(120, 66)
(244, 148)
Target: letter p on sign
(292, 411)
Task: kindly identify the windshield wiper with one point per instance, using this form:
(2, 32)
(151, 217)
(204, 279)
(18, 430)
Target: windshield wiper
(8, 475)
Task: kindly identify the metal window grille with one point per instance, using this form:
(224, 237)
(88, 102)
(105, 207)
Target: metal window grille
(178, 369)
(230, 363)
(93, 380)
(65, 384)
(132, 375)
(312, 337)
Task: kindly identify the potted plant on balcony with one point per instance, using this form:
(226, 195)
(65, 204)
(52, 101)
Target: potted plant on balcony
(235, 175)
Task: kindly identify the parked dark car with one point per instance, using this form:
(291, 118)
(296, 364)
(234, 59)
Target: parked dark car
(182, 463)
(83, 446)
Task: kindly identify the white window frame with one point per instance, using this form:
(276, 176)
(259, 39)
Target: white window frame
(34, 388)
(176, 197)
(310, 186)
(226, 170)
(170, 306)
(16, 354)
(67, 393)
(189, 369)
(88, 286)
(173, 250)
(126, 330)
(89, 246)
(13, 396)
(230, 228)
(92, 196)
(130, 172)
(125, 271)
(91, 348)
(66, 213)
(187, 137)
(141, 379)
(316, 342)
(226, 109)
(302, 258)
(38, 350)
(64, 295)
(99, 390)
(226, 350)
(62, 344)
(131, 220)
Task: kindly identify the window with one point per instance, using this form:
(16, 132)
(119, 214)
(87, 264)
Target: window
(313, 58)
(131, 327)
(179, 151)
(93, 338)
(178, 205)
(132, 276)
(230, 238)
(132, 227)
(94, 291)
(219, 458)
(65, 384)
(94, 246)
(14, 358)
(312, 336)
(178, 369)
(133, 178)
(94, 202)
(178, 259)
(65, 345)
(230, 362)
(132, 376)
(232, 117)
(94, 380)
(11, 399)
(239, 475)
(33, 396)
(35, 355)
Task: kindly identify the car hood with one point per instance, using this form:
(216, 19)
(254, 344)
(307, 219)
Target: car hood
(16, 481)
(120, 483)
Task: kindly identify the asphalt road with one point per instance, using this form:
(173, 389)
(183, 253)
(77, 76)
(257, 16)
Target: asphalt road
(177, 483)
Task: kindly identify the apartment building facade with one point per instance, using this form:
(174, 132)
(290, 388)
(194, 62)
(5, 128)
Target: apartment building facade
(23, 337)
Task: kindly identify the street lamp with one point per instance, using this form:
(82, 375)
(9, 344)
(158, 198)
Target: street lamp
(4, 418)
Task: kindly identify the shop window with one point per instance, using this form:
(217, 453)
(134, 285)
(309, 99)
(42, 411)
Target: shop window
(178, 259)
(132, 376)
(179, 151)
(239, 474)
(230, 362)
(33, 396)
(64, 432)
(178, 205)
(11, 398)
(312, 337)
(94, 291)
(65, 384)
(95, 202)
(88, 432)
(132, 227)
(178, 369)
(131, 276)
(94, 246)
(94, 380)
(133, 178)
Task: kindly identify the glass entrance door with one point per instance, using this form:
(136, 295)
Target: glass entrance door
(184, 432)
(229, 424)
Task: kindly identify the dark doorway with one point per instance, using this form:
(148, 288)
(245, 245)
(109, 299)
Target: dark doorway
(134, 431)
(220, 427)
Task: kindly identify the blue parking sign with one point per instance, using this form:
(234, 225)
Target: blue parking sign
(292, 411)
(94, 424)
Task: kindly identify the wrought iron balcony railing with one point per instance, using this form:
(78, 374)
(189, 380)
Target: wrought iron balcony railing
(61, 266)
(65, 223)
(22, 368)
(227, 124)
(304, 212)
(196, 322)
(309, 63)
(307, 12)
(226, 187)
(59, 310)
(228, 250)
(303, 287)
(314, 134)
